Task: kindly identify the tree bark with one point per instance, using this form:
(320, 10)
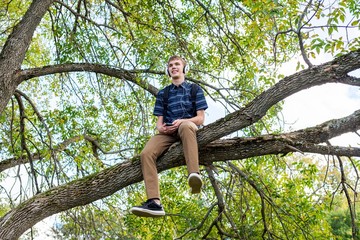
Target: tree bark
(14, 50)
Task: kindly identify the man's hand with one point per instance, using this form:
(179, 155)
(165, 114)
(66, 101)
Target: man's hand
(178, 122)
(167, 129)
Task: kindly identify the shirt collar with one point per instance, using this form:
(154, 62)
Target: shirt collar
(183, 85)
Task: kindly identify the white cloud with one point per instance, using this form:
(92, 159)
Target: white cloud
(319, 104)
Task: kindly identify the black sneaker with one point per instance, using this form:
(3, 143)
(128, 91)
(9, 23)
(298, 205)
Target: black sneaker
(148, 209)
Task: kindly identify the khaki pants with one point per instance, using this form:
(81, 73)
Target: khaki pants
(160, 143)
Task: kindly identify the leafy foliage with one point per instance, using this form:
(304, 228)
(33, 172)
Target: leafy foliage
(68, 125)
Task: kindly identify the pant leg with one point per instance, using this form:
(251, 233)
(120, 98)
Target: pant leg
(187, 134)
(152, 150)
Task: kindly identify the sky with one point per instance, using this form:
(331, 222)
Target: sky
(319, 104)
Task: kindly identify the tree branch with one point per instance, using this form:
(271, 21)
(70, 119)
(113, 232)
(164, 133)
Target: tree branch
(23, 139)
(87, 67)
(354, 229)
(15, 161)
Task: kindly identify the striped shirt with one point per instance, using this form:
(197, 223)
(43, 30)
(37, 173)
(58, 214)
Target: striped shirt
(179, 102)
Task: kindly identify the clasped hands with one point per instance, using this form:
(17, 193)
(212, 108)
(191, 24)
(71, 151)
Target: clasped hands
(164, 129)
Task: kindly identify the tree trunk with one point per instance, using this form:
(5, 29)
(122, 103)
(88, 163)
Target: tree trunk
(14, 50)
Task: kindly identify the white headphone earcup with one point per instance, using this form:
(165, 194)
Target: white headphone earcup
(186, 68)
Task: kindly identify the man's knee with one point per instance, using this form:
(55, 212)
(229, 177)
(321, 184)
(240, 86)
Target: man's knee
(187, 125)
(187, 129)
(146, 154)
(149, 154)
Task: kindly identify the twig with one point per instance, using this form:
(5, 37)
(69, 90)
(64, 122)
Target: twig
(23, 139)
(344, 185)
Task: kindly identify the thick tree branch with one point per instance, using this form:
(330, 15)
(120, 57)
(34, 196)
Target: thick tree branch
(19, 40)
(87, 67)
(305, 140)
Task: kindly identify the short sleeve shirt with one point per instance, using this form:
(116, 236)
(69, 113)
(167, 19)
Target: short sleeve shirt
(179, 102)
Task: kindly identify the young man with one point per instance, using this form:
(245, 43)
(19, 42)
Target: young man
(177, 119)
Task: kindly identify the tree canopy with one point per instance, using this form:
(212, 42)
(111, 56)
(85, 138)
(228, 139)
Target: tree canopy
(78, 80)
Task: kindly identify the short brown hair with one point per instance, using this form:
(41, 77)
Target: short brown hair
(176, 57)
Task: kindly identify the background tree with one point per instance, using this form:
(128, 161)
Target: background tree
(77, 87)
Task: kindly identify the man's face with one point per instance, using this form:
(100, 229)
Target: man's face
(176, 68)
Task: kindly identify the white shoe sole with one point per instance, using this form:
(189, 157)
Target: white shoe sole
(195, 183)
(141, 212)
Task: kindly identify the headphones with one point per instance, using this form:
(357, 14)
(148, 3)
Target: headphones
(185, 70)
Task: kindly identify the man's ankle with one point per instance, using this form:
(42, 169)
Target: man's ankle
(156, 200)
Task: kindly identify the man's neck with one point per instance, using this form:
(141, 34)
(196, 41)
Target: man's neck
(177, 81)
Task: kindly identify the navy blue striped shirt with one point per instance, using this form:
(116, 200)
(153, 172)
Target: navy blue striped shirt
(179, 102)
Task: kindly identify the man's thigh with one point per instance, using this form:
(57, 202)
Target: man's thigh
(159, 143)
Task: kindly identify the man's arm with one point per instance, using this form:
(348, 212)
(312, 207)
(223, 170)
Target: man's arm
(160, 123)
(198, 119)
